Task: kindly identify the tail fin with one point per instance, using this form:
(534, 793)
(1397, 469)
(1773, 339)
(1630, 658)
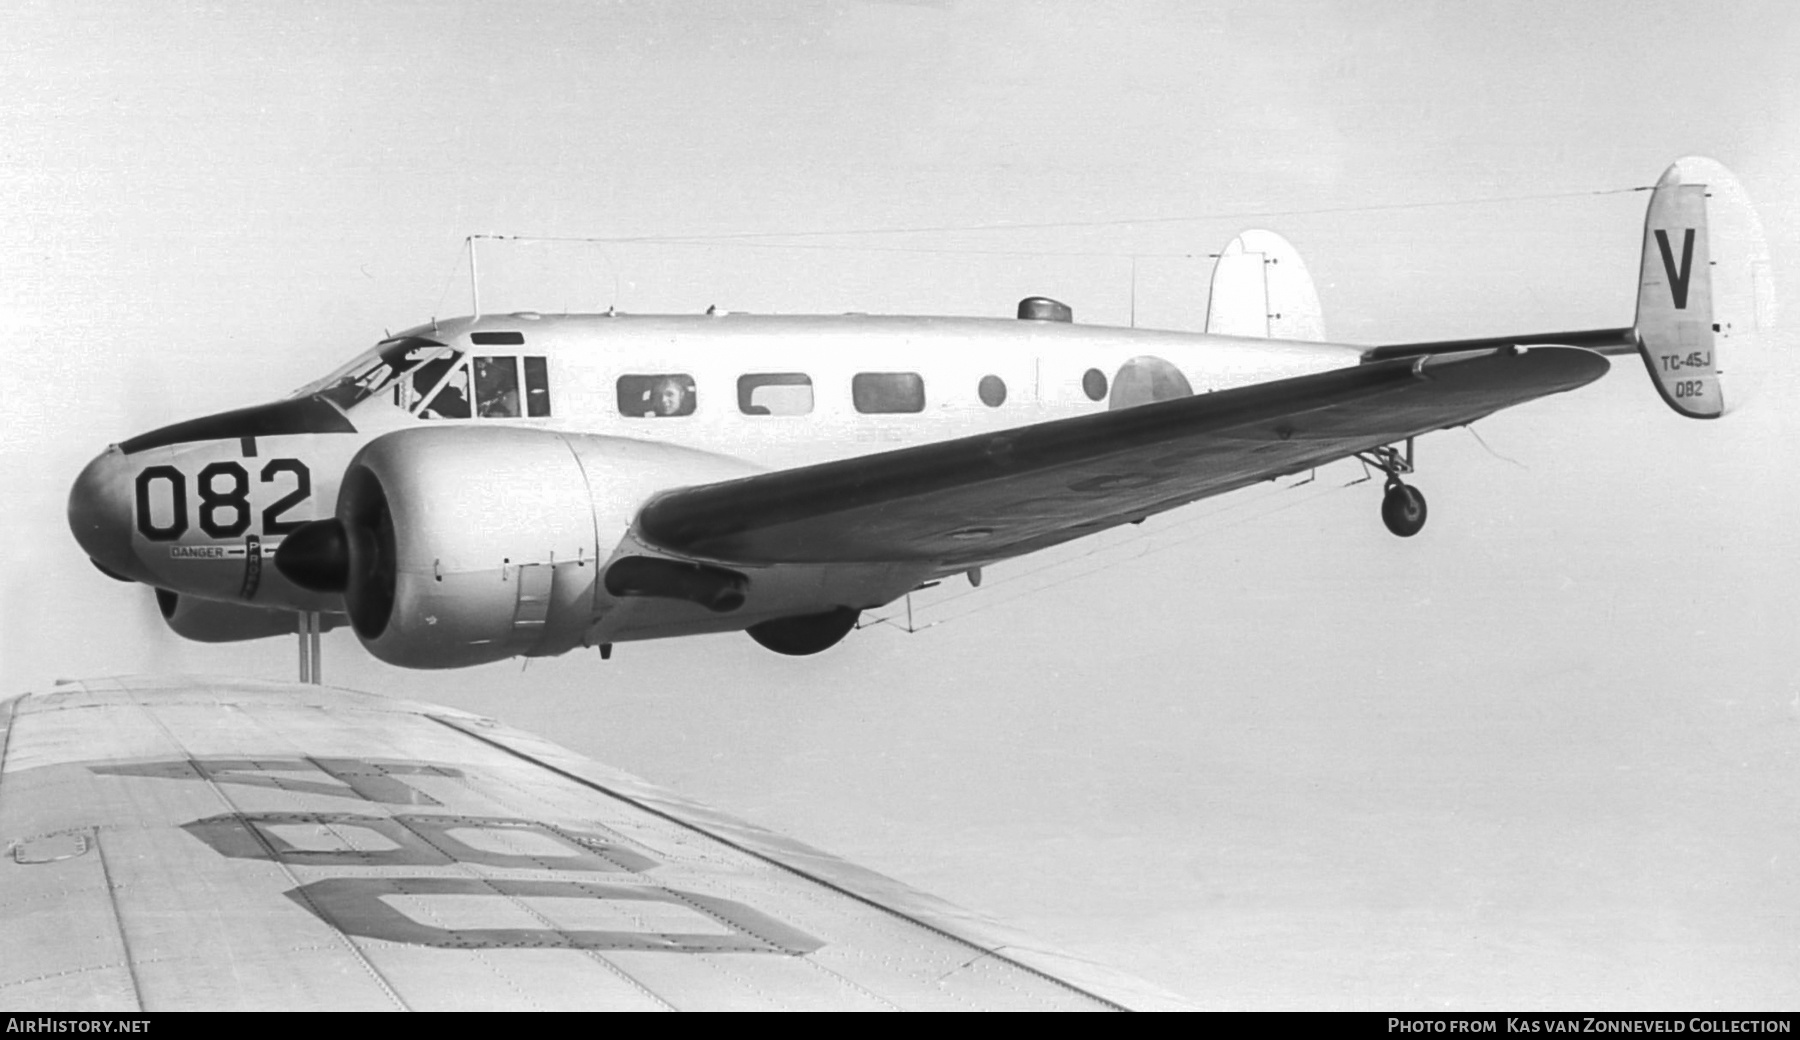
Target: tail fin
(1261, 288)
(1705, 291)
(1675, 327)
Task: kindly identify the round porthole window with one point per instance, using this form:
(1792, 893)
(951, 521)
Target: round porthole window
(1094, 384)
(992, 391)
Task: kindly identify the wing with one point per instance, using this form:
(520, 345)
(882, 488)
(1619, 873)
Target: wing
(183, 844)
(992, 496)
(1601, 341)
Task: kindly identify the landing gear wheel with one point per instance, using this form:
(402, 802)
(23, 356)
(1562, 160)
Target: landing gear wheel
(1403, 509)
(800, 636)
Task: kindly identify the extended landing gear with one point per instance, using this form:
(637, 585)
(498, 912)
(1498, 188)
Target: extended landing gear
(800, 636)
(1402, 507)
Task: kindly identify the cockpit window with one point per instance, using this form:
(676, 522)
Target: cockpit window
(537, 387)
(417, 387)
(497, 387)
(452, 399)
(376, 370)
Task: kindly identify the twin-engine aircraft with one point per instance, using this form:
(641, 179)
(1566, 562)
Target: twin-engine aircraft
(502, 485)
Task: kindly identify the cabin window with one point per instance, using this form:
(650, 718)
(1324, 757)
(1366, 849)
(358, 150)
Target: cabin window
(992, 390)
(497, 387)
(452, 398)
(878, 393)
(775, 393)
(1093, 384)
(659, 396)
(537, 387)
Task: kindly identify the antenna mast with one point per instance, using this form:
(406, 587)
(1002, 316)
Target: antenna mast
(1134, 290)
(474, 276)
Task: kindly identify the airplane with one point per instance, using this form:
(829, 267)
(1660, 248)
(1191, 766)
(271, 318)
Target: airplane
(526, 484)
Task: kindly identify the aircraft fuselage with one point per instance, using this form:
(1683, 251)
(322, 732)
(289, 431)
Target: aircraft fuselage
(200, 507)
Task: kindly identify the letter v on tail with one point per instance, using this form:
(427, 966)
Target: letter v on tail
(1678, 281)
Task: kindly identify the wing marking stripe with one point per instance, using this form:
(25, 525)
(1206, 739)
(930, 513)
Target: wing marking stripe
(376, 785)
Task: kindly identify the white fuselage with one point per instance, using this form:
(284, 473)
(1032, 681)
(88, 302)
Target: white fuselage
(1041, 364)
(203, 515)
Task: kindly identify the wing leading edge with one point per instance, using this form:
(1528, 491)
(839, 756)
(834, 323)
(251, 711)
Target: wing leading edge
(991, 496)
(195, 844)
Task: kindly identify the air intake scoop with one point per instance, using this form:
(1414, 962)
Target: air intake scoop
(1043, 308)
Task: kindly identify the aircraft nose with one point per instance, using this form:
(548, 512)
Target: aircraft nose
(100, 514)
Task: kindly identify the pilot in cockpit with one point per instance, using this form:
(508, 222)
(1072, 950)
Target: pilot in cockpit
(497, 387)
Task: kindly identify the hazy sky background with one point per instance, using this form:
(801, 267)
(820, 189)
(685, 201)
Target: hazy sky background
(1258, 751)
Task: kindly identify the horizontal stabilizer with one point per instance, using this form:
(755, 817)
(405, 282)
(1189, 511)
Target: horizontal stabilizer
(1260, 288)
(1705, 293)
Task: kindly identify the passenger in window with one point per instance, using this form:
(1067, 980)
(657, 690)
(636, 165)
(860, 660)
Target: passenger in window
(670, 397)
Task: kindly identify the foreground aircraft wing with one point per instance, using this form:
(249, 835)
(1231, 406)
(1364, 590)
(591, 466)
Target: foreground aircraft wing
(987, 497)
(178, 844)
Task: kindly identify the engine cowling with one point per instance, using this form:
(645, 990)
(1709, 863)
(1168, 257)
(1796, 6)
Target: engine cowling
(461, 545)
(209, 621)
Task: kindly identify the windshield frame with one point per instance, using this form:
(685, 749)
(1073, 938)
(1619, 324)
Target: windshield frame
(374, 370)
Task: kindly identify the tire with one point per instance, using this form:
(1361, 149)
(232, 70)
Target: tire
(1403, 510)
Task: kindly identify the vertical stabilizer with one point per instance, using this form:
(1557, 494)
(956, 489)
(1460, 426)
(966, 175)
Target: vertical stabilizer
(1261, 288)
(1676, 331)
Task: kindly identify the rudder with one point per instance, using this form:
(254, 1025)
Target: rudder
(1676, 332)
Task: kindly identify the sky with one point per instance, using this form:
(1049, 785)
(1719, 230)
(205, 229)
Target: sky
(1257, 751)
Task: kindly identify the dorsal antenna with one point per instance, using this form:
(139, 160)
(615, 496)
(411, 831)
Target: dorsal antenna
(474, 277)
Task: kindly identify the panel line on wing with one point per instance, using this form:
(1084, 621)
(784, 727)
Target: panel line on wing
(368, 785)
(593, 785)
(118, 917)
(355, 950)
(11, 706)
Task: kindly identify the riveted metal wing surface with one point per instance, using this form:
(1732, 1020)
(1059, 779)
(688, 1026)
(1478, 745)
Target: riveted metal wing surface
(212, 844)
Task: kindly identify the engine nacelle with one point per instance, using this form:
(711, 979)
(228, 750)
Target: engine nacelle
(210, 621)
(467, 544)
